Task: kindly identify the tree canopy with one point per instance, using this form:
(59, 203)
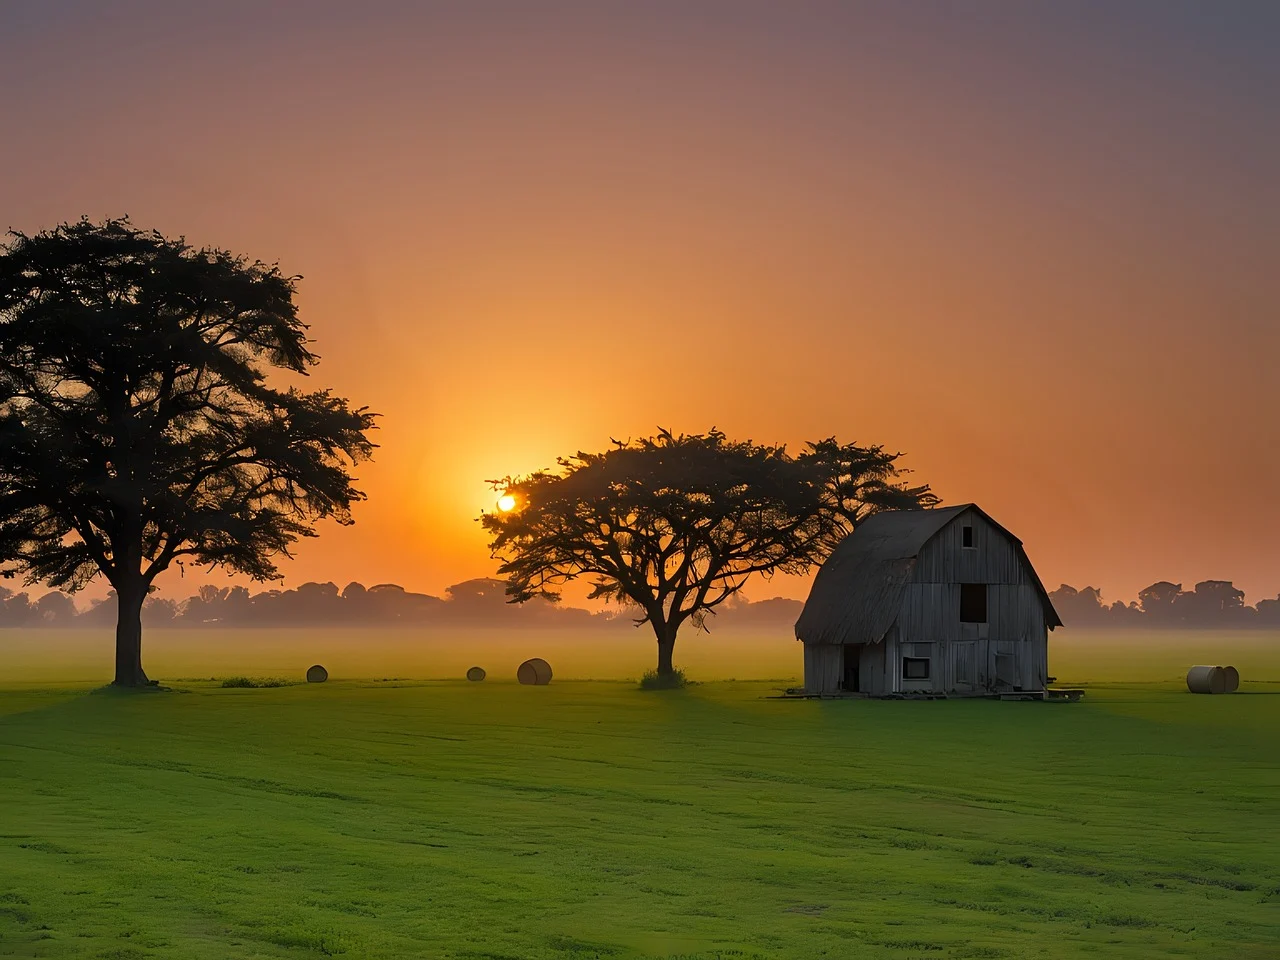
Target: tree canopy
(675, 525)
(137, 427)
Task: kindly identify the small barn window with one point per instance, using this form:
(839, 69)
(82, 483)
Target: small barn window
(915, 668)
(966, 537)
(973, 603)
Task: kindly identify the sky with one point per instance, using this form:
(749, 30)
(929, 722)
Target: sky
(1031, 245)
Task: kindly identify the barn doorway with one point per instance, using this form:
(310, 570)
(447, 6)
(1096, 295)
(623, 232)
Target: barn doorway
(849, 681)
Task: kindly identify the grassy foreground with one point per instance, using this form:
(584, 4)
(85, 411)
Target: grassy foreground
(589, 819)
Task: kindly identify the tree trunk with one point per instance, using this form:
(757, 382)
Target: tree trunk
(129, 599)
(666, 647)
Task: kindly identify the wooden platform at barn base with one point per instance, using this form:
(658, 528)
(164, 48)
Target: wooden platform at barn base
(1051, 696)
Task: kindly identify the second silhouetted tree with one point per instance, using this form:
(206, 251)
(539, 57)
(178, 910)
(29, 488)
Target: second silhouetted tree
(676, 525)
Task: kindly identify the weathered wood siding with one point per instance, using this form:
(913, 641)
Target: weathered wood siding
(871, 669)
(991, 559)
(963, 666)
(892, 661)
(1009, 650)
(823, 667)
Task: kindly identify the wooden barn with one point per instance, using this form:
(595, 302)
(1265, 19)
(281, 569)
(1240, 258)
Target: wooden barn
(932, 602)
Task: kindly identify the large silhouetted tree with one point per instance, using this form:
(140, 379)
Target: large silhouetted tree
(136, 424)
(676, 525)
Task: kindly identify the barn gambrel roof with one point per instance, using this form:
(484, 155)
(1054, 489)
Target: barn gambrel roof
(857, 593)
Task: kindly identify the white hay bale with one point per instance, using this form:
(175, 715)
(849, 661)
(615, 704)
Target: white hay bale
(535, 672)
(1203, 679)
(1232, 676)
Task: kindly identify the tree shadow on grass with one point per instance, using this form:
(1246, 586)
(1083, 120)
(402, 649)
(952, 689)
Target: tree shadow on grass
(111, 690)
(59, 699)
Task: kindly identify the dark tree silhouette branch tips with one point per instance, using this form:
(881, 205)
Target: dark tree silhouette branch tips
(137, 425)
(676, 525)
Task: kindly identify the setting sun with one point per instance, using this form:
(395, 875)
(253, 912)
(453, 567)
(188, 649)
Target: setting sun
(506, 503)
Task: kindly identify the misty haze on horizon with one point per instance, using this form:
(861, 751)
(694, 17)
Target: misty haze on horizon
(482, 602)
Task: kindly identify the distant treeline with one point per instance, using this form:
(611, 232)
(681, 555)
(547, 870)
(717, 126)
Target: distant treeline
(480, 603)
(1211, 603)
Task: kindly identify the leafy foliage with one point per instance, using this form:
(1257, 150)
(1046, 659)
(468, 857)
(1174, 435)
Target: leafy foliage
(653, 680)
(136, 425)
(675, 525)
(256, 682)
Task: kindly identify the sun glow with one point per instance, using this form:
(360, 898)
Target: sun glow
(506, 503)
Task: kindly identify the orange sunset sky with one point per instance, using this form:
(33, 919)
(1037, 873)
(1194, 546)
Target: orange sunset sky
(1035, 246)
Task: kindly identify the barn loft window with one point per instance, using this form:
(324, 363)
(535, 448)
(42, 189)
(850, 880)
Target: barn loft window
(973, 603)
(915, 668)
(966, 537)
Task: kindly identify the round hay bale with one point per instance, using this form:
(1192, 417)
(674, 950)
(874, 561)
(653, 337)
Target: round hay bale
(475, 674)
(317, 674)
(1203, 679)
(1232, 676)
(536, 672)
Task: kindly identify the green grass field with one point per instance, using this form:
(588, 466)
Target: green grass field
(589, 819)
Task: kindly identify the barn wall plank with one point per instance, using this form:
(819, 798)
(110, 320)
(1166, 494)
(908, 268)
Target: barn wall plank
(871, 668)
(823, 667)
(992, 559)
(892, 663)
